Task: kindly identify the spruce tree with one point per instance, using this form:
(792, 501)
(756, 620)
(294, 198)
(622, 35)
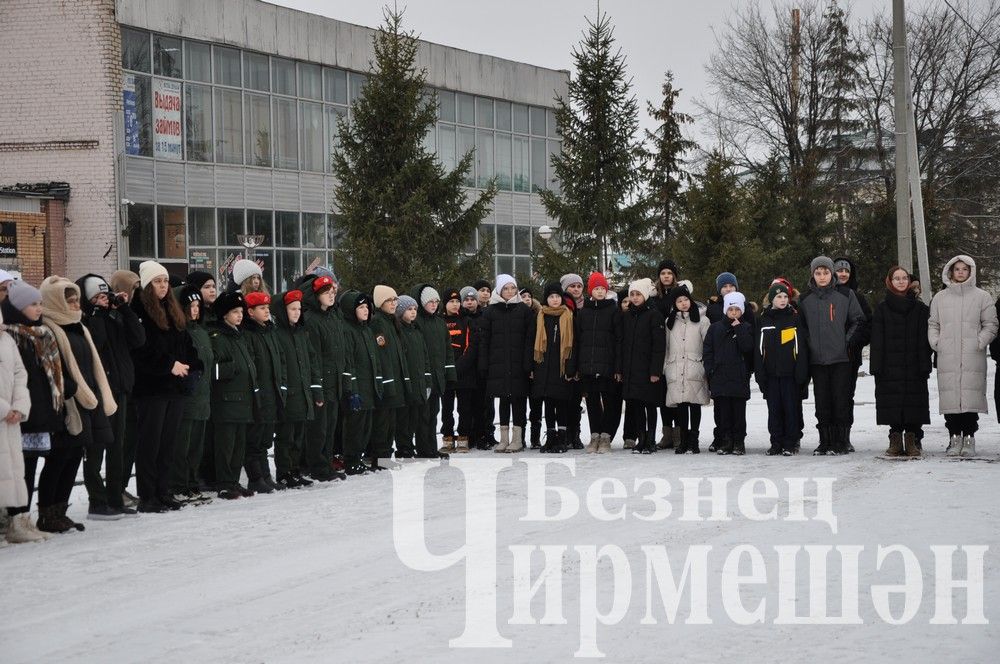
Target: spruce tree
(666, 174)
(599, 167)
(404, 219)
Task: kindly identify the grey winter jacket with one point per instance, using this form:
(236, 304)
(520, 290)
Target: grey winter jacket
(831, 317)
(963, 323)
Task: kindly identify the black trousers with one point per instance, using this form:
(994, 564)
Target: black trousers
(832, 392)
(536, 411)
(518, 406)
(357, 433)
(687, 416)
(466, 412)
(426, 426)
(604, 407)
(478, 409)
(97, 438)
(575, 408)
(405, 431)
(732, 414)
(642, 416)
(784, 410)
(158, 421)
(668, 416)
(127, 419)
(260, 436)
(317, 450)
(962, 424)
(383, 433)
(448, 400)
(288, 446)
(557, 413)
(55, 484)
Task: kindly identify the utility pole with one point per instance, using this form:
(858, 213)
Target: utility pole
(904, 242)
(796, 48)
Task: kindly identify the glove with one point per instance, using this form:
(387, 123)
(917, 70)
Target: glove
(428, 396)
(354, 401)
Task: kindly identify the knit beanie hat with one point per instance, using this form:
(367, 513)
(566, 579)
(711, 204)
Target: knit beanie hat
(725, 278)
(568, 280)
(243, 269)
(777, 287)
(383, 293)
(5, 276)
(482, 283)
(198, 279)
(503, 280)
(93, 285)
(821, 261)
(404, 303)
(429, 294)
(22, 295)
(227, 302)
(644, 286)
(688, 286)
(668, 264)
(149, 270)
(452, 294)
(526, 291)
(841, 264)
(595, 280)
(467, 292)
(552, 288)
(189, 294)
(124, 281)
(734, 299)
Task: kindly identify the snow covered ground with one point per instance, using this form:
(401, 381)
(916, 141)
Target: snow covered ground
(314, 574)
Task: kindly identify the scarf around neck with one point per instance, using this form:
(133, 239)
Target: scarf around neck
(565, 334)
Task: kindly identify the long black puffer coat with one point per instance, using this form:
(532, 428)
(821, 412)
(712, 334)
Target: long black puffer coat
(643, 346)
(724, 357)
(505, 341)
(901, 360)
(597, 340)
(547, 382)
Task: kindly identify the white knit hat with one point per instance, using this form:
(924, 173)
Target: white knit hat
(94, 285)
(734, 299)
(644, 286)
(429, 294)
(149, 270)
(243, 269)
(381, 294)
(687, 284)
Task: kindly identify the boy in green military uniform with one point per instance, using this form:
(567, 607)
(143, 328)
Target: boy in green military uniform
(393, 365)
(416, 386)
(441, 358)
(272, 389)
(234, 386)
(303, 374)
(362, 379)
(190, 442)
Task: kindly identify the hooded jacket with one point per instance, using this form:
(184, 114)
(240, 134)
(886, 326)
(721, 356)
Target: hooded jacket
(831, 317)
(506, 338)
(862, 337)
(363, 372)
(963, 322)
(683, 366)
(302, 372)
(782, 349)
(116, 332)
(597, 337)
(641, 355)
(439, 352)
(419, 374)
(900, 360)
(199, 404)
(234, 377)
(326, 332)
(272, 378)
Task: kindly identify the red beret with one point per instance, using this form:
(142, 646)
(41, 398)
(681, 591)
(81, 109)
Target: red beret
(319, 283)
(293, 296)
(256, 299)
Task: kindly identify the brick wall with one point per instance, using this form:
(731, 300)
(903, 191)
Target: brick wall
(30, 259)
(61, 78)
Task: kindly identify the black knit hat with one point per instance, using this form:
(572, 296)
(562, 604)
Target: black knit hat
(189, 294)
(552, 288)
(482, 283)
(198, 279)
(227, 302)
(667, 264)
(452, 294)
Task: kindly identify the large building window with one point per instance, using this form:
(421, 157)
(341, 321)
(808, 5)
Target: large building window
(446, 147)
(335, 86)
(310, 81)
(227, 66)
(522, 165)
(287, 226)
(466, 144)
(503, 155)
(312, 145)
(167, 57)
(286, 152)
(201, 226)
(135, 50)
(282, 76)
(539, 156)
(313, 230)
(198, 121)
(484, 158)
(257, 75)
(141, 231)
(171, 232)
(228, 126)
(332, 115)
(197, 62)
(258, 129)
(230, 226)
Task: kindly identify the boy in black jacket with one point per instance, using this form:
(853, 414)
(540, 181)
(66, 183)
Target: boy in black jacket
(727, 344)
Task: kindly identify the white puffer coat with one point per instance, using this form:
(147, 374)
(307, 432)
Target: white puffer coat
(963, 323)
(682, 367)
(13, 396)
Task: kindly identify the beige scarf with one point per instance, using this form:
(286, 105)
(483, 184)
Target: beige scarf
(565, 334)
(57, 313)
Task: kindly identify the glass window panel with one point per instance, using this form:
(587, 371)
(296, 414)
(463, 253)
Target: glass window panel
(446, 147)
(487, 234)
(553, 150)
(227, 66)
(503, 115)
(470, 244)
(198, 121)
(484, 112)
(522, 269)
(537, 121)
(197, 62)
(202, 259)
(286, 148)
(520, 118)
(466, 144)
(172, 233)
(201, 226)
(313, 230)
(310, 81)
(522, 240)
(230, 226)
(430, 140)
(521, 164)
(228, 126)
(282, 76)
(258, 130)
(335, 83)
(446, 105)
(259, 223)
(266, 260)
(539, 156)
(258, 72)
(502, 162)
(135, 50)
(357, 83)
(466, 109)
(167, 56)
(484, 158)
(334, 230)
(332, 115)
(312, 147)
(550, 123)
(505, 239)
(286, 225)
(289, 269)
(143, 117)
(140, 231)
(505, 265)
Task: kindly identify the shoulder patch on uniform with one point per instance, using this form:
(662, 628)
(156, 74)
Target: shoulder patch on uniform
(380, 340)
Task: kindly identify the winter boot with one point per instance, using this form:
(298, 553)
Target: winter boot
(20, 530)
(725, 445)
(692, 441)
(968, 446)
(910, 444)
(255, 478)
(604, 444)
(954, 445)
(676, 435)
(629, 444)
(516, 440)
(646, 443)
(774, 450)
(504, 443)
(595, 440)
(666, 440)
(848, 448)
(49, 520)
(551, 442)
(740, 447)
(462, 444)
(573, 438)
(842, 440)
(681, 443)
(33, 527)
(62, 512)
(448, 445)
(270, 480)
(895, 444)
(535, 435)
(824, 442)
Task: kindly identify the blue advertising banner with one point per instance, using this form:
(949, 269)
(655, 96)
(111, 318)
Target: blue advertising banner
(131, 116)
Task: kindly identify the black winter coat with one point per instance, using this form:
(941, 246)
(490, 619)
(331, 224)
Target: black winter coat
(724, 356)
(547, 382)
(994, 353)
(505, 353)
(272, 375)
(900, 360)
(116, 333)
(862, 337)
(714, 311)
(597, 340)
(154, 359)
(643, 346)
(781, 350)
(460, 334)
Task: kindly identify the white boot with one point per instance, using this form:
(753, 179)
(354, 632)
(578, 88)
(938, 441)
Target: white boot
(604, 444)
(954, 446)
(595, 440)
(20, 530)
(516, 440)
(968, 446)
(504, 440)
(34, 528)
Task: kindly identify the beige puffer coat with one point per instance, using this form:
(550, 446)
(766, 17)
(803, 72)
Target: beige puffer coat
(682, 366)
(963, 323)
(13, 396)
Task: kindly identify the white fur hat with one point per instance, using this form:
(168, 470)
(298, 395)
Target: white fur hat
(243, 269)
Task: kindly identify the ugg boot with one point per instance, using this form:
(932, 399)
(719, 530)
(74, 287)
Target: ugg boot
(666, 440)
(629, 444)
(516, 440)
(604, 444)
(535, 435)
(595, 440)
(462, 444)
(504, 443)
(910, 444)
(34, 528)
(954, 445)
(968, 446)
(895, 444)
(20, 530)
(448, 445)
(724, 446)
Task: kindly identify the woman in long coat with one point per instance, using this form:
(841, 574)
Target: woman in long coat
(642, 348)
(687, 387)
(901, 363)
(963, 322)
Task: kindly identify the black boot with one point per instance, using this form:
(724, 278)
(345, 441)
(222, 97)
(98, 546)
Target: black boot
(692, 442)
(775, 449)
(739, 447)
(551, 439)
(724, 445)
(354, 466)
(681, 442)
(843, 439)
(255, 477)
(824, 441)
(535, 435)
(847, 439)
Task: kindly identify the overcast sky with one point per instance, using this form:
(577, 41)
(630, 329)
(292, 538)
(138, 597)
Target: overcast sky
(655, 35)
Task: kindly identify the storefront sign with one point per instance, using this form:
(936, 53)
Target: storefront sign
(8, 239)
(131, 115)
(167, 119)
(200, 261)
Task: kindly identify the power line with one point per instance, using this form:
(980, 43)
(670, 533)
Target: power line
(970, 26)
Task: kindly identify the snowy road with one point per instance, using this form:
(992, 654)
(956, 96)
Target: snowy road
(314, 574)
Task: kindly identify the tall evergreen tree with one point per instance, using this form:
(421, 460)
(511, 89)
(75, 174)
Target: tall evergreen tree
(599, 170)
(403, 217)
(665, 169)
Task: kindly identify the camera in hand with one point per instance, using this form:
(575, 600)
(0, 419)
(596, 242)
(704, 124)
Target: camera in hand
(117, 300)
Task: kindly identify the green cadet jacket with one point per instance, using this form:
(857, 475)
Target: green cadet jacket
(391, 361)
(327, 337)
(234, 377)
(199, 405)
(363, 376)
(302, 373)
(418, 368)
(439, 350)
(272, 380)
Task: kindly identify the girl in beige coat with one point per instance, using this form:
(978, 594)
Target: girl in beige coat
(687, 387)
